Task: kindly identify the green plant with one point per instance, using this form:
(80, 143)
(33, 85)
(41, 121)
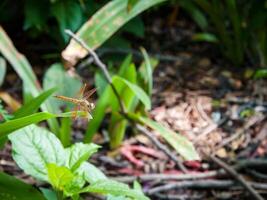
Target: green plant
(65, 169)
(128, 83)
(31, 86)
(236, 26)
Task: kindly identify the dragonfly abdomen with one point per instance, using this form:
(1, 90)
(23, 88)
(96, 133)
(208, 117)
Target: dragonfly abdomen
(69, 99)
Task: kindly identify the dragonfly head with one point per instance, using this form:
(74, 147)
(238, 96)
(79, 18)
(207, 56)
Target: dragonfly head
(90, 105)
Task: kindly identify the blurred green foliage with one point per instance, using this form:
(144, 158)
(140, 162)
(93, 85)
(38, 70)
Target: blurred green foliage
(52, 17)
(237, 26)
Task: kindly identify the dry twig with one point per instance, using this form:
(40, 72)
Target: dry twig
(237, 176)
(204, 184)
(162, 147)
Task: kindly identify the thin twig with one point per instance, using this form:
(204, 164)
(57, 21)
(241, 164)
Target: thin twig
(204, 184)
(162, 147)
(237, 176)
(255, 120)
(101, 65)
(240, 164)
(168, 177)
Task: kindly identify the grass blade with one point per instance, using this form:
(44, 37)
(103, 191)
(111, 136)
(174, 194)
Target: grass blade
(24, 70)
(181, 144)
(33, 105)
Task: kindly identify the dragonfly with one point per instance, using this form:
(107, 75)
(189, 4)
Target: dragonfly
(82, 103)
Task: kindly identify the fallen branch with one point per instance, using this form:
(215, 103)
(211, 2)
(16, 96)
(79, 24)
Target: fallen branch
(204, 184)
(237, 176)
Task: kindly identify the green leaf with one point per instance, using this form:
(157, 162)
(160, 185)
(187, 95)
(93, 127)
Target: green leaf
(33, 148)
(68, 14)
(118, 124)
(2, 70)
(78, 153)
(100, 83)
(197, 15)
(59, 176)
(49, 194)
(205, 37)
(65, 131)
(90, 173)
(125, 65)
(103, 24)
(24, 70)
(139, 92)
(14, 189)
(131, 4)
(33, 105)
(149, 71)
(114, 188)
(69, 86)
(15, 124)
(180, 143)
(260, 73)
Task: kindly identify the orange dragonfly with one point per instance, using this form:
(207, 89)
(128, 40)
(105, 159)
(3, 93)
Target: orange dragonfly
(82, 103)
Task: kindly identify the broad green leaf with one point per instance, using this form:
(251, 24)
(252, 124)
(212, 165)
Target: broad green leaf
(12, 188)
(149, 71)
(90, 173)
(24, 70)
(56, 76)
(139, 92)
(78, 153)
(111, 197)
(114, 188)
(73, 188)
(102, 25)
(49, 194)
(205, 37)
(15, 124)
(33, 148)
(59, 176)
(68, 14)
(33, 105)
(181, 144)
(2, 70)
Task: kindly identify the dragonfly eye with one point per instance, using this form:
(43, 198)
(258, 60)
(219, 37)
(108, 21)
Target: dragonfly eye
(92, 105)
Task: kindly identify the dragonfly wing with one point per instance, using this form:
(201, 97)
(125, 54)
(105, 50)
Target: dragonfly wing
(81, 91)
(89, 93)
